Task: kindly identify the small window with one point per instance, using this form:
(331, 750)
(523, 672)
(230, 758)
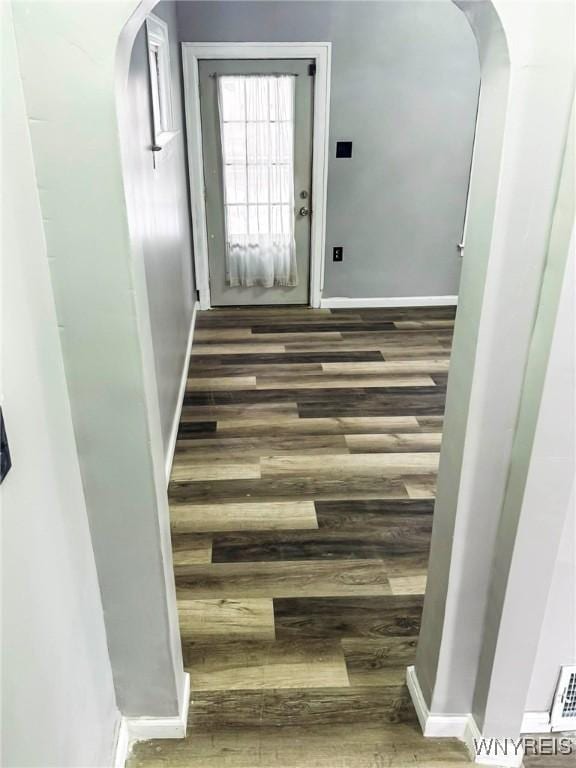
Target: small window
(160, 80)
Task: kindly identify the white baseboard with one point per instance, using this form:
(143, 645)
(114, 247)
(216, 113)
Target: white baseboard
(536, 722)
(133, 729)
(180, 401)
(458, 726)
(344, 302)
(122, 745)
(512, 757)
(433, 726)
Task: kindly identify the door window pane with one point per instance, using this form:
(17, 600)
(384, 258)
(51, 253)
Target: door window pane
(234, 143)
(237, 219)
(257, 99)
(232, 99)
(257, 131)
(258, 183)
(280, 184)
(236, 183)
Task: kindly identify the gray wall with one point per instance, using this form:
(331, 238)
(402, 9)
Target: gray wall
(398, 205)
(58, 705)
(165, 222)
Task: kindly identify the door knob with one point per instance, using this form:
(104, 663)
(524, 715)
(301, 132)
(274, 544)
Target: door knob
(304, 211)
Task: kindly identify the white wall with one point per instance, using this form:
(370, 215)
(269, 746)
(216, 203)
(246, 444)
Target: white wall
(489, 551)
(454, 683)
(163, 215)
(540, 478)
(58, 706)
(557, 644)
(404, 89)
(550, 473)
(70, 60)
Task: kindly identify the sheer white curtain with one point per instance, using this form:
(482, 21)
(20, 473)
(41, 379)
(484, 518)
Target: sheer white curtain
(257, 130)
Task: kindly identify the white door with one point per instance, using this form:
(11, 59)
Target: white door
(257, 118)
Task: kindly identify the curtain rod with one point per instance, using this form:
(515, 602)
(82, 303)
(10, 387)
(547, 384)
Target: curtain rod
(257, 74)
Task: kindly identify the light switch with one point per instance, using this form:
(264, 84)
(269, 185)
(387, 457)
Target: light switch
(343, 149)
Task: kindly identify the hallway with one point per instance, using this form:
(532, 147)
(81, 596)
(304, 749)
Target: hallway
(273, 489)
(302, 494)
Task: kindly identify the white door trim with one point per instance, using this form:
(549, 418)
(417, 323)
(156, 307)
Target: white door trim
(321, 53)
(171, 449)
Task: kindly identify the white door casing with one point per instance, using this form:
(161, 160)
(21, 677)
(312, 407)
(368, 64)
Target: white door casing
(192, 53)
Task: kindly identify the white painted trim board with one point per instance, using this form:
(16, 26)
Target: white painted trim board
(345, 302)
(459, 726)
(321, 52)
(434, 726)
(536, 722)
(181, 392)
(133, 729)
(122, 745)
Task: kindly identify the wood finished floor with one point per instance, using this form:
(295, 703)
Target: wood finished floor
(301, 499)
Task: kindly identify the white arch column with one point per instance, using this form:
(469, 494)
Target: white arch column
(100, 293)
(508, 301)
(98, 283)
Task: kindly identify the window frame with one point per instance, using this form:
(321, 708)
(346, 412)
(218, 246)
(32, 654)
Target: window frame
(158, 51)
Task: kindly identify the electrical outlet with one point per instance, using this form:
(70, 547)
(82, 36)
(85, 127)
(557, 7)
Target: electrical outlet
(338, 253)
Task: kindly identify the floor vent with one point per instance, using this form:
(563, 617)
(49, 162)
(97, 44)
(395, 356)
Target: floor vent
(564, 708)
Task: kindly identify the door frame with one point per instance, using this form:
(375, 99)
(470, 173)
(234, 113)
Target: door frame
(321, 53)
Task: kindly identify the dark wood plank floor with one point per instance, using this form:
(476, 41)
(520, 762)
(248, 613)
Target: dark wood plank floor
(301, 497)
